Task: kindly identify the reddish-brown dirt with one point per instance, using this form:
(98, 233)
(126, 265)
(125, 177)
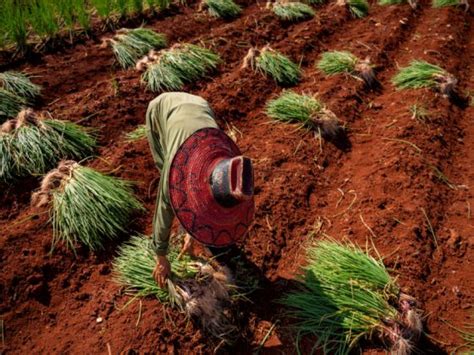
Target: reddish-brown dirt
(381, 187)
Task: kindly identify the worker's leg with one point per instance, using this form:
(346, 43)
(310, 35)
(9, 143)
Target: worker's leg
(153, 130)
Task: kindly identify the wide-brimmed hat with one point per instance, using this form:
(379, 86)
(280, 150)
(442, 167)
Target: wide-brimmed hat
(211, 188)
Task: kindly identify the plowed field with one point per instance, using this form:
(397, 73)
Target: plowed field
(383, 184)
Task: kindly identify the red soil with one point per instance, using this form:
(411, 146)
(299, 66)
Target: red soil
(377, 189)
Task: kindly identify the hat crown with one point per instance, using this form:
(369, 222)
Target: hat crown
(232, 181)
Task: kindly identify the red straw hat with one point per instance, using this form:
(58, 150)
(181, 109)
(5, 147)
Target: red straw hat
(211, 188)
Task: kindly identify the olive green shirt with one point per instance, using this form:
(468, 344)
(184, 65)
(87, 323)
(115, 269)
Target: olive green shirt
(171, 118)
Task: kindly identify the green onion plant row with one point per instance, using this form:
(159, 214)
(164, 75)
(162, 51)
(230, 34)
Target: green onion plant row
(24, 21)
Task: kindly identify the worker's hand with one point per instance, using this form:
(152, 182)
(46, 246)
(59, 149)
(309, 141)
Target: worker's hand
(162, 270)
(188, 246)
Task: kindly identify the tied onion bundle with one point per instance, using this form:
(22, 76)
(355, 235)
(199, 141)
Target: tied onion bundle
(338, 62)
(172, 69)
(85, 205)
(346, 296)
(304, 109)
(200, 288)
(129, 45)
(271, 63)
(32, 145)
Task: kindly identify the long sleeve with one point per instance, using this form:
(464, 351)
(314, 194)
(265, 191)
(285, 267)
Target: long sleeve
(164, 216)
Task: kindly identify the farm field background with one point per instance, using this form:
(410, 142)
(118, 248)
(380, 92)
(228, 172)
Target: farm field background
(399, 182)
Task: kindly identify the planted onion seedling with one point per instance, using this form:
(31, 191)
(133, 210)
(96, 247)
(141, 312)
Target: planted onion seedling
(198, 287)
(226, 9)
(271, 63)
(85, 206)
(129, 45)
(20, 85)
(421, 74)
(32, 145)
(181, 64)
(347, 296)
(358, 8)
(338, 62)
(291, 11)
(304, 109)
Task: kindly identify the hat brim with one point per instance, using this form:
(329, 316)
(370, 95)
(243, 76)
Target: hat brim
(190, 191)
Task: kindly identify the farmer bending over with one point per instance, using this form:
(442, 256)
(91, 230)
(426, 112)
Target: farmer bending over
(205, 181)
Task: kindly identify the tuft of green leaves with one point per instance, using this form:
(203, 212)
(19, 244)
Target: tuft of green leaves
(132, 44)
(10, 104)
(344, 297)
(358, 8)
(337, 62)
(292, 11)
(133, 268)
(226, 9)
(137, 134)
(279, 67)
(35, 149)
(184, 63)
(419, 74)
(20, 85)
(90, 207)
(445, 3)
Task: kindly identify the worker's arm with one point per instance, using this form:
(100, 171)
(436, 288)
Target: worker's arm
(163, 219)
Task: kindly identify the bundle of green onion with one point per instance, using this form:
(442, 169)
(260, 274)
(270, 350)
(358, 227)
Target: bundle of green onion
(226, 9)
(172, 69)
(16, 92)
(337, 62)
(20, 85)
(200, 288)
(347, 296)
(292, 10)
(421, 74)
(304, 109)
(129, 45)
(274, 64)
(30, 145)
(85, 205)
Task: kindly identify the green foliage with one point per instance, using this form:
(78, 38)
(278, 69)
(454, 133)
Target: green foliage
(19, 84)
(130, 45)
(337, 62)
(278, 66)
(90, 207)
(419, 74)
(358, 8)
(181, 64)
(391, 2)
(292, 107)
(445, 3)
(223, 8)
(134, 266)
(137, 134)
(10, 104)
(21, 20)
(33, 149)
(292, 11)
(344, 297)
